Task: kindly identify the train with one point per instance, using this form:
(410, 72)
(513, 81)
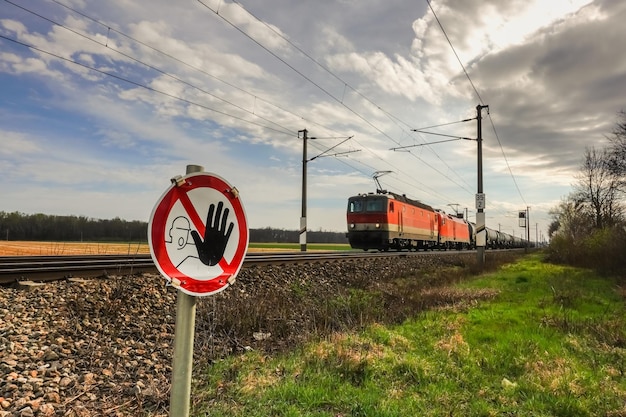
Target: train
(386, 220)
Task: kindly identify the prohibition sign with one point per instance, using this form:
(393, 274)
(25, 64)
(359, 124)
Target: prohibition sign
(198, 234)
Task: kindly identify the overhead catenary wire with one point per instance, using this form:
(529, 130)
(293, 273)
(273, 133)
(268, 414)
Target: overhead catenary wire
(109, 29)
(506, 160)
(285, 130)
(391, 117)
(138, 84)
(325, 91)
(155, 90)
(199, 69)
(105, 45)
(191, 66)
(478, 96)
(343, 160)
(141, 85)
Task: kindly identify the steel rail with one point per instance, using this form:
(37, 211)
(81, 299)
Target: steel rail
(49, 268)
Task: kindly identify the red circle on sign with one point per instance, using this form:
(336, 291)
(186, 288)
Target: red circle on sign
(187, 202)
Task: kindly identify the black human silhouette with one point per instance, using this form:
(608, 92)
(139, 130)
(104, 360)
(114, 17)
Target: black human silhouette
(211, 248)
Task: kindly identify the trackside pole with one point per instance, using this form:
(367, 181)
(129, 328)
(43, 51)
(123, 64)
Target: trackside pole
(303, 217)
(182, 363)
(481, 232)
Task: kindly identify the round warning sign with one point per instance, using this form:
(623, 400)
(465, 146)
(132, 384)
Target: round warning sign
(198, 234)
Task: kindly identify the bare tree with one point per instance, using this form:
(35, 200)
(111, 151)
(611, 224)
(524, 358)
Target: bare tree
(588, 227)
(618, 151)
(570, 220)
(597, 187)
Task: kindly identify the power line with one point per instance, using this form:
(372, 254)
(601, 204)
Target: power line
(391, 117)
(188, 65)
(134, 59)
(225, 82)
(109, 29)
(479, 98)
(495, 132)
(454, 51)
(286, 130)
(138, 84)
(105, 45)
(341, 102)
(444, 124)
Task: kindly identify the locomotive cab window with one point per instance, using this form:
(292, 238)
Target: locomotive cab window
(391, 206)
(376, 205)
(355, 206)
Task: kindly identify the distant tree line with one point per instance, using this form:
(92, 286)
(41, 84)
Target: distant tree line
(293, 236)
(44, 227)
(589, 225)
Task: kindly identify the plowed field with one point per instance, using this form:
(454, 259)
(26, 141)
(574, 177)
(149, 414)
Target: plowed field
(21, 248)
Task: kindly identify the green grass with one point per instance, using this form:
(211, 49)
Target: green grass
(296, 246)
(552, 343)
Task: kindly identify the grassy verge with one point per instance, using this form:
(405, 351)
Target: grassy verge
(551, 343)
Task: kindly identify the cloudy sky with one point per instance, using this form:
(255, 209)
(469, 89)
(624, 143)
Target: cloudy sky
(102, 103)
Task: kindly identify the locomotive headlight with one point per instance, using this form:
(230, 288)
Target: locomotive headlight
(352, 225)
(378, 225)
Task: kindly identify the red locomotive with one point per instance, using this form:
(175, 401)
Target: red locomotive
(387, 220)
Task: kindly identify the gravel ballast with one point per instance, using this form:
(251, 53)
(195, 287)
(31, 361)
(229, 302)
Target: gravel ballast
(103, 347)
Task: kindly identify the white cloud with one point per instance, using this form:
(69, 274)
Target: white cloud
(17, 144)
(548, 70)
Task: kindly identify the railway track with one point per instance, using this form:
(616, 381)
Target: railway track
(50, 268)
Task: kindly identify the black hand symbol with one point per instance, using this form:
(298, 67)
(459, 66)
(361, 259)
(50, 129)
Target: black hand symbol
(211, 249)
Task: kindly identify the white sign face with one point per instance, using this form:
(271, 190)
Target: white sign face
(480, 201)
(198, 234)
(522, 219)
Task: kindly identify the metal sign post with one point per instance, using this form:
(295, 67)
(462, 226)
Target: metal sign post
(184, 335)
(182, 362)
(200, 253)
